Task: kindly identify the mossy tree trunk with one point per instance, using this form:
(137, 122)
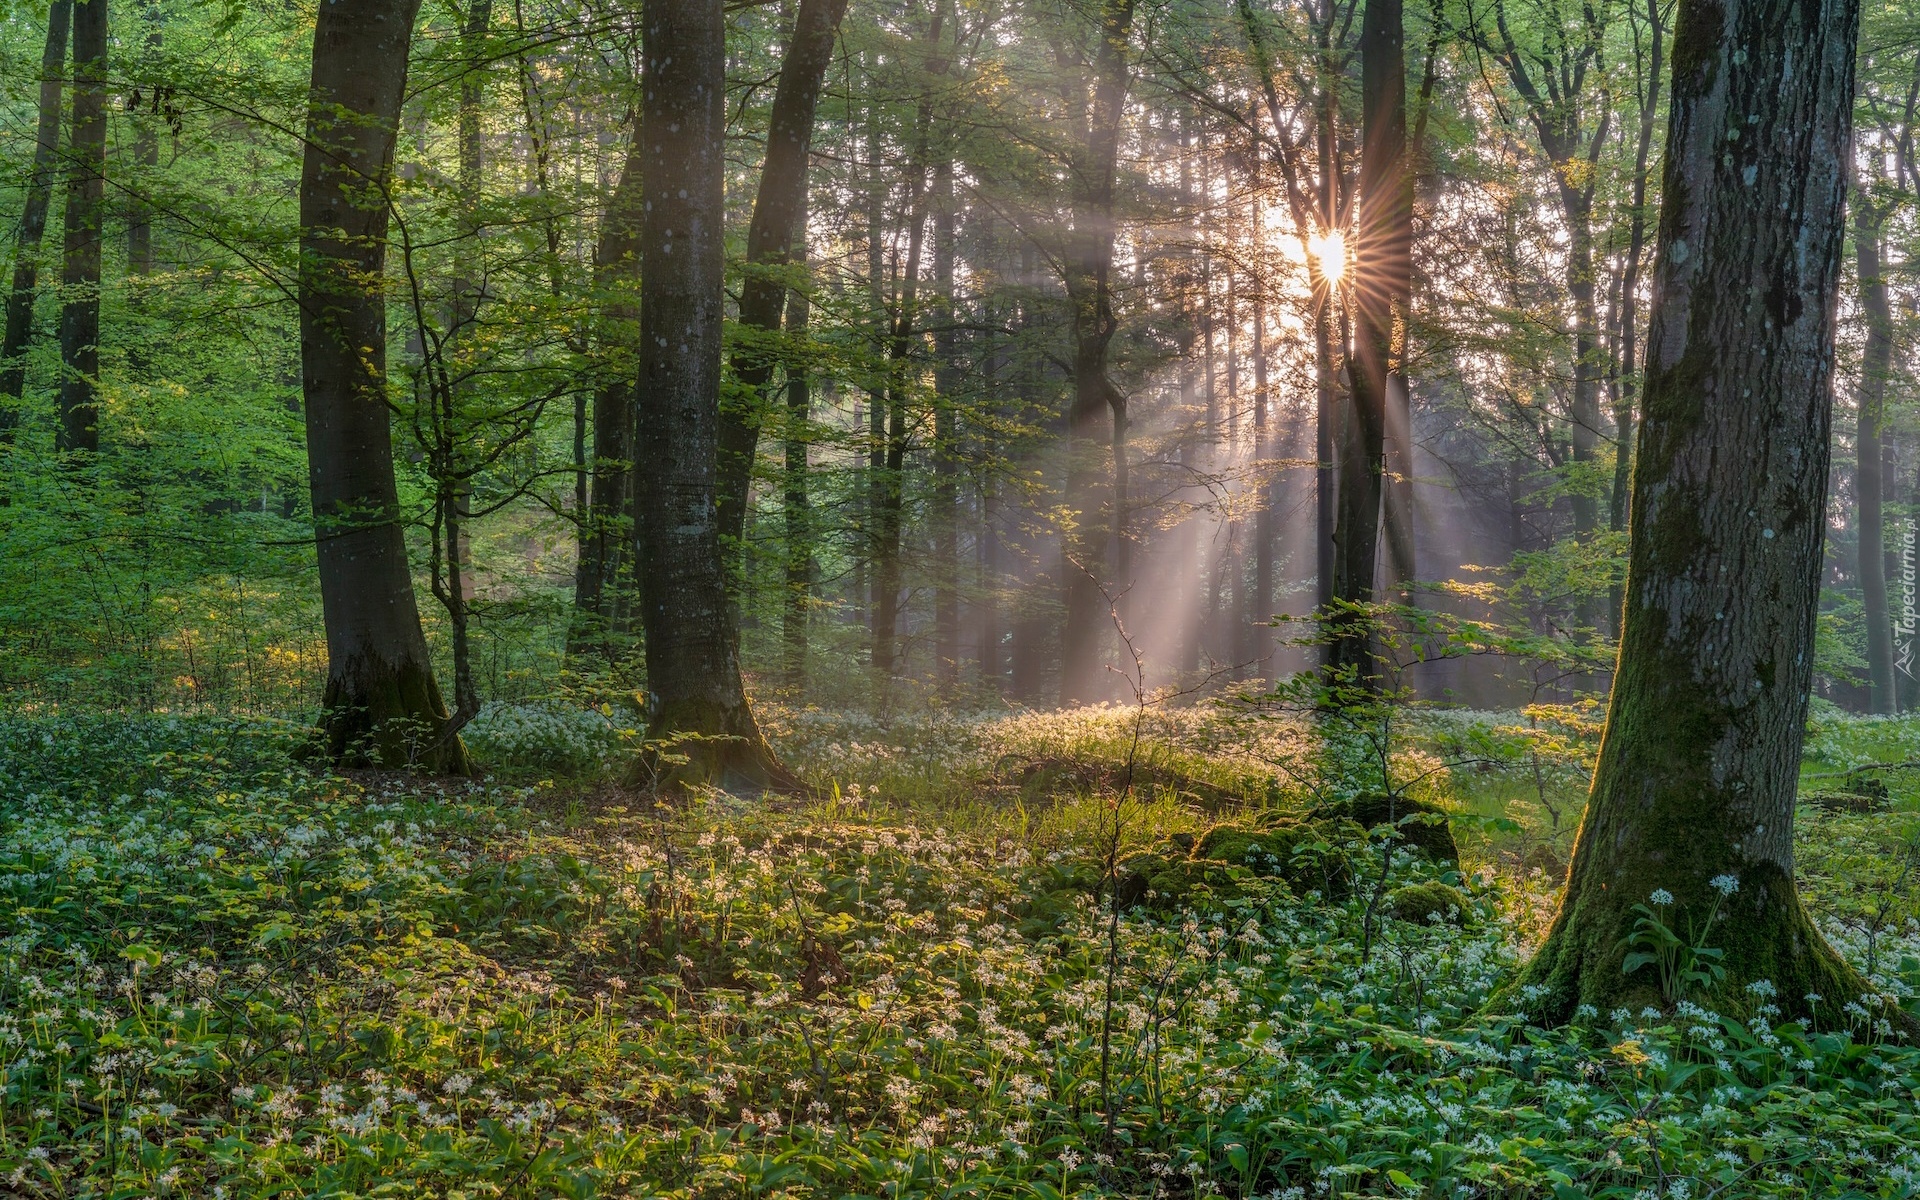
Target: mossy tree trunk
(382, 704)
(86, 211)
(693, 663)
(1701, 756)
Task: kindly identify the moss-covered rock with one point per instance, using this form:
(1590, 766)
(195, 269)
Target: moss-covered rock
(1425, 903)
(1309, 856)
(1161, 880)
(1421, 826)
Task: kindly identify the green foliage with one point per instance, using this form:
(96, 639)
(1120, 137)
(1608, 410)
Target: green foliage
(226, 973)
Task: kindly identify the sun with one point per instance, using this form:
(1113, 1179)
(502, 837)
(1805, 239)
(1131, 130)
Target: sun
(1329, 252)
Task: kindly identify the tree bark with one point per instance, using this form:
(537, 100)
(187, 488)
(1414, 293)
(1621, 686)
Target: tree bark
(33, 220)
(86, 209)
(1096, 400)
(1381, 284)
(1876, 367)
(146, 154)
(382, 704)
(1700, 761)
(777, 207)
(693, 665)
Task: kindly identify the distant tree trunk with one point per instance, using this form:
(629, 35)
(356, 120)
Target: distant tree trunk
(601, 604)
(946, 416)
(777, 207)
(795, 505)
(1089, 264)
(1876, 367)
(33, 220)
(382, 704)
(693, 665)
(1700, 763)
(86, 208)
(904, 332)
(1264, 521)
(1380, 288)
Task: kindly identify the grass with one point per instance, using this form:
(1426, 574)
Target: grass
(229, 977)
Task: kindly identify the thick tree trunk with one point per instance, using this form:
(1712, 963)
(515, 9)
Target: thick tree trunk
(1876, 366)
(777, 208)
(601, 604)
(33, 220)
(1096, 400)
(382, 704)
(86, 209)
(693, 665)
(1380, 285)
(1700, 761)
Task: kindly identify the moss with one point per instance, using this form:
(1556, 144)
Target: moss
(696, 742)
(1309, 856)
(380, 714)
(1421, 826)
(1424, 903)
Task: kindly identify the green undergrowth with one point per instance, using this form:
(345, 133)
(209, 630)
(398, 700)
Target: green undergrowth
(224, 976)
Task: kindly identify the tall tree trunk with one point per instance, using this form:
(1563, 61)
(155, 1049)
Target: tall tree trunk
(903, 335)
(1265, 519)
(1096, 400)
(86, 208)
(601, 604)
(1380, 284)
(777, 208)
(33, 220)
(382, 704)
(1876, 366)
(946, 417)
(1700, 762)
(693, 665)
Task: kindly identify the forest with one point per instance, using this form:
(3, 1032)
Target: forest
(960, 599)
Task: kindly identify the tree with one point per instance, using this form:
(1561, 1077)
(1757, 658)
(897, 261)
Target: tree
(1691, 811)
(1876, 365)
(382, 703)
(86, 211)
(778, 207)
(33, 219)
(1097, 401)
(693, 664)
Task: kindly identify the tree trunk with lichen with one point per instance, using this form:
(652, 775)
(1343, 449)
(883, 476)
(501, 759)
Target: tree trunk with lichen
(382, 705)
(1700, 761)
(693, 662)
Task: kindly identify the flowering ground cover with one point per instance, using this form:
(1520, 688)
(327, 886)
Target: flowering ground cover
(224, 975)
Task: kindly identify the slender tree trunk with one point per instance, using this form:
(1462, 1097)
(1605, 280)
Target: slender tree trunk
(946, 417)
(1876, 367)
(86, 209)
(1264, 521)
(1089, 266)
(33, 220)
(1380, 283)
(382, 704)
(777, 208)
(601, 603)
(1700, 763)
(693, 665)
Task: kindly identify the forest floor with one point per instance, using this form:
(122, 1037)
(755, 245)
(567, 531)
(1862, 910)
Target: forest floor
(227, 976)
